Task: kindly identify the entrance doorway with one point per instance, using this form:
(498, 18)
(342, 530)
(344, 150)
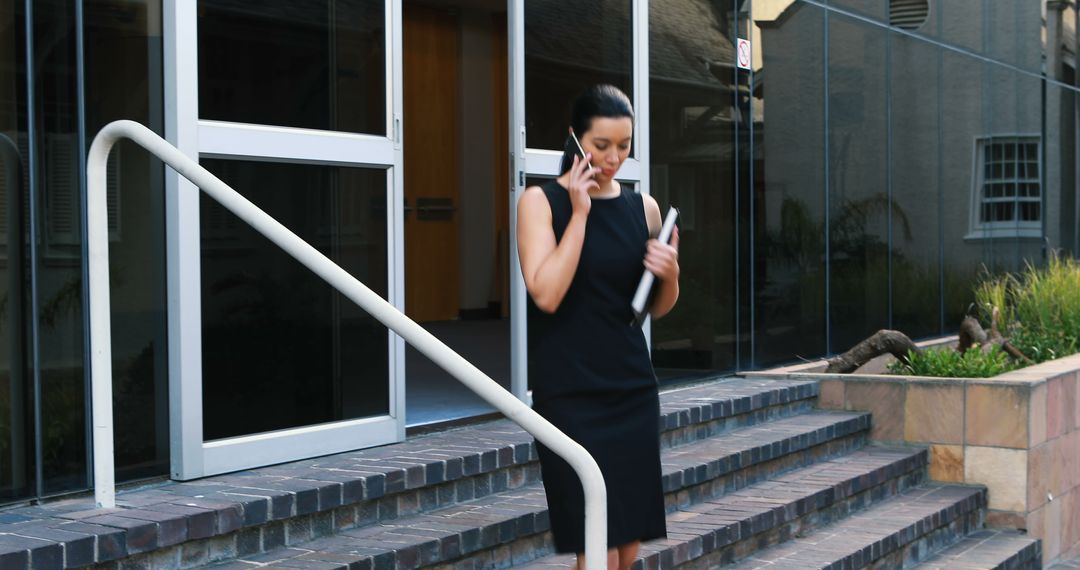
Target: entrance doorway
(456, 197)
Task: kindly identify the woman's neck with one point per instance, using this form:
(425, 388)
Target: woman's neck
(605, 189)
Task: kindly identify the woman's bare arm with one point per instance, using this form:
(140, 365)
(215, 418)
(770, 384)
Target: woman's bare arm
(662, 260)
(547, 265)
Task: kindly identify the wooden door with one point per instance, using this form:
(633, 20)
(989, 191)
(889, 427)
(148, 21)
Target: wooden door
(432, 165)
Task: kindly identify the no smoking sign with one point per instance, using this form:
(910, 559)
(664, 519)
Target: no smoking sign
(743, 54)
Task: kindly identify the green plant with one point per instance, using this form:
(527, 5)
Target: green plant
(1039, 308)
(949, 363)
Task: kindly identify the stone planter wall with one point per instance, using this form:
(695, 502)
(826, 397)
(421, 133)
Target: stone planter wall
(1018, 434)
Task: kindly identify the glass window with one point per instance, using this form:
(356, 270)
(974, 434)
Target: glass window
(1008, 32)
(960, 125)
(1007, 190)
(59, 263)
(692, 121)
(915, 178)
(996, 211)
(1061, 168)
(130, 32)
(318, 65)
(16, 381)
(859, 204)
(789, 175)
(876, 9)
(277, 340)
(911, 15)
(568, 50)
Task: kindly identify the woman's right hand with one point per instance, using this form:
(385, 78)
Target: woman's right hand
(581, 180)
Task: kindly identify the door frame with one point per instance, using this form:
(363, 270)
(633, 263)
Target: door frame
(191, 455)
(525, 162)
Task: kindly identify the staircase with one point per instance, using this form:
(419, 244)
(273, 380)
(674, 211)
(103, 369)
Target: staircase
(754, 477)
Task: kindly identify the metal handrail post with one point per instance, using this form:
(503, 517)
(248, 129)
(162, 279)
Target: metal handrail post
(584, 465)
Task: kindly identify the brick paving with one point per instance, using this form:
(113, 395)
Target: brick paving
(987, 550)
(268, 507)
(491, 522)
(753, 476)
(861, 539)
(467, 531)
(716, 531)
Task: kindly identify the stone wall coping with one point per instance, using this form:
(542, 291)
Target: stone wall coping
(1024, 380)
(1028, 376)
(817, 366)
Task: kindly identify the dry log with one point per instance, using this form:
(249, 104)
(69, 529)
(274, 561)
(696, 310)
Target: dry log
(1008, 347)
(896, 343)
(882, 342)
(972, 335)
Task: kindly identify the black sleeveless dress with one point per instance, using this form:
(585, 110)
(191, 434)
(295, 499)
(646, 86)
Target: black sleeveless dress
(592, 377)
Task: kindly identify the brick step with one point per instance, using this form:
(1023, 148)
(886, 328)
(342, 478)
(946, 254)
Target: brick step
(888, 535)
(691, 472)
(988, 550)
(511, 529)
(709, 468)
(327, 493)
(698, 412)
(720, 531)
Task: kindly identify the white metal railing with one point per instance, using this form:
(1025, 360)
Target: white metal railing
(101, 340)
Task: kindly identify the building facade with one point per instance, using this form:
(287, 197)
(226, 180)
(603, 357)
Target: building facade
(867, 165)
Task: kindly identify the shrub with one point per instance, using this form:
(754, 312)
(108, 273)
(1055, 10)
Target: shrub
(946, 362)
(1040, 308)
(1039, 314)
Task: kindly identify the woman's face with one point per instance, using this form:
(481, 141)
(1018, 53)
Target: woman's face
(609, 142)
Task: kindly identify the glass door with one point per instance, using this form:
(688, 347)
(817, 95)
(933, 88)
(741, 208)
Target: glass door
(554, 55)
(298, 108)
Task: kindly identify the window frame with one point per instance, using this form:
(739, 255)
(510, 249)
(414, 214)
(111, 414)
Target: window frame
(1016, 228)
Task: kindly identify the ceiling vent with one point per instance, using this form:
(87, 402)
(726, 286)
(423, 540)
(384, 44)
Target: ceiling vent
(908, 14)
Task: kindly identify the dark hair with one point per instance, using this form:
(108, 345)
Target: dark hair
(597, 101)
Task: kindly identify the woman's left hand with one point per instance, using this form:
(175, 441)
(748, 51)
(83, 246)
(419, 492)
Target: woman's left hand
(663, 259)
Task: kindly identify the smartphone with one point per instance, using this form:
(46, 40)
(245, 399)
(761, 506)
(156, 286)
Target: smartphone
(581, 150)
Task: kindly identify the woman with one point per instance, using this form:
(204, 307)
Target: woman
(583, 241)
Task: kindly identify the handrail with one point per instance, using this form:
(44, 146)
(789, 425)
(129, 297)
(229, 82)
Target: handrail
(584, 465)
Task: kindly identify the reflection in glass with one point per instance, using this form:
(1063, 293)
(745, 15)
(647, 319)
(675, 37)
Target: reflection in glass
(859, 207)
(281, 348)
(1061, 196)
(130, 31)
(789, 195)
(996, 184)
(567, 49)
(59, 264)
(876, 9)
(692, 121)
(961, 125)
(745, 138)
(1009, 32)
(915, 169)
(16, 387)
(318, 65)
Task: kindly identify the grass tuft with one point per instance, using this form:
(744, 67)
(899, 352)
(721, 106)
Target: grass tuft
(1039, 314)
